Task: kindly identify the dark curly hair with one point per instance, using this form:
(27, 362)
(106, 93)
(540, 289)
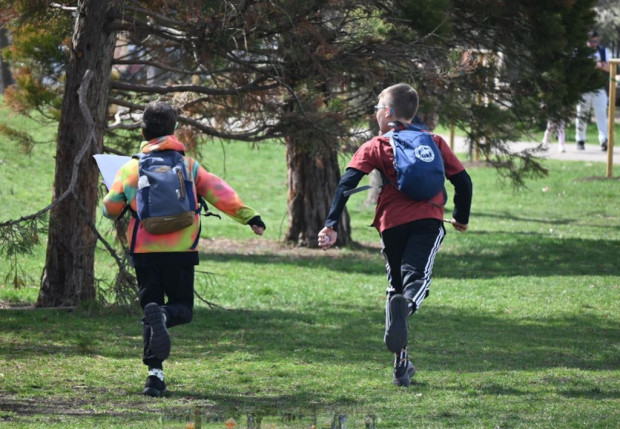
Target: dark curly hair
(159, 119)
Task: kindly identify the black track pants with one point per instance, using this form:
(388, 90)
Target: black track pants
(156, 282)
(409, 251)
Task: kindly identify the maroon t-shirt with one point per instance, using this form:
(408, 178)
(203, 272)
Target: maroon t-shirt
(394, 207)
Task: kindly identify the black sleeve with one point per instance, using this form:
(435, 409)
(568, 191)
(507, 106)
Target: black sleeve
(463, 191)
(349, 180)
(256, 220)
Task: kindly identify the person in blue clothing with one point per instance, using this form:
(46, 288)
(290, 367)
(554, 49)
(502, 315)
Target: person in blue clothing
(411, 231)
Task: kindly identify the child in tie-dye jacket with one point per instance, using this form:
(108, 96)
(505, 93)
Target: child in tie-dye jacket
(164, 263)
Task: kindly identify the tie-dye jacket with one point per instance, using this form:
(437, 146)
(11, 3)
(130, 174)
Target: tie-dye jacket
(213, 189)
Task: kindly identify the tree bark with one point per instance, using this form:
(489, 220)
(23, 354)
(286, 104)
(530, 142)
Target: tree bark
(312, 180)
(6, 78)
(68, 276)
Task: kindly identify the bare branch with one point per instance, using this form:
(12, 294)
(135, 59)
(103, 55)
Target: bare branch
(136, 7)
(63, 7)
(158, 65)
(198, 89)
(256, 134)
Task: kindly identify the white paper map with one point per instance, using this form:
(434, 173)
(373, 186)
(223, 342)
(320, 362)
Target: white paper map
(109, 165)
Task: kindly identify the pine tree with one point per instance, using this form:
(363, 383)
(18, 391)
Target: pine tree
(305, 73)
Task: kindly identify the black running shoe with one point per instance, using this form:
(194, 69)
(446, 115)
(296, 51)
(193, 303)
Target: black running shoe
(396, 332)
(160, 339)
(604, 146)
(154, 387)
(581, 145)
(403, 374)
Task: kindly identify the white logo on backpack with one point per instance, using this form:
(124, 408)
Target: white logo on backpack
(424, 153)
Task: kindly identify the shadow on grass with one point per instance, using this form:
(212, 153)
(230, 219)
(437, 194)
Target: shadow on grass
(531, 255)
(512, 254)
(510, 216)
(444, 338)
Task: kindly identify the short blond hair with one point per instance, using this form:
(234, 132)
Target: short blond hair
(403, 99)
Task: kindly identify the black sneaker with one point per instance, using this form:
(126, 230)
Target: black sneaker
(403, 374)
(581, 145)
(154, 387)
(604, 146)
(160, 339)
(396, 332)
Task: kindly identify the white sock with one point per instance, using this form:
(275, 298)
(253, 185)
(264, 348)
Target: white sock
(159, 373)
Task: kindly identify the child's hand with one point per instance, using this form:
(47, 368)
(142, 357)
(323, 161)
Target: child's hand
(459, 226)
(258, 230)
(327, 237)
(257, 225)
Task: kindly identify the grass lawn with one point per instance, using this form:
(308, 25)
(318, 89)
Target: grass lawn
(521, 330)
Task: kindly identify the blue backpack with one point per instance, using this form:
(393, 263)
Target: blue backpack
(420, 172)
(418, 163)
(166, 196)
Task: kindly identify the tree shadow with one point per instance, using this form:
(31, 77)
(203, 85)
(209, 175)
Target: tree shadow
(443, 339)
(515, 254)
(447, 337)
(531, 254)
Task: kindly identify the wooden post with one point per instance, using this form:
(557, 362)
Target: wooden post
(611, 123)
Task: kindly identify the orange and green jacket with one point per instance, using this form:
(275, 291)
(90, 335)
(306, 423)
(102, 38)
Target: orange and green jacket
(213, 189)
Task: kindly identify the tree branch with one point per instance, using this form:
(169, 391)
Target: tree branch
(198, 89)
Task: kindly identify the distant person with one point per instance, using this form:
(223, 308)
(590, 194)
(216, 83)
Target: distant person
(555, 128)
(411, 231)
(164, 263)
(594, 99)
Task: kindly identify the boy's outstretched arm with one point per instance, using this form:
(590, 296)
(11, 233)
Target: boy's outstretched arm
(349, 180)
(219, 194)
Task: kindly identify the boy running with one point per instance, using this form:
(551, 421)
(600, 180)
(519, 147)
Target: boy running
(164, 263)
(411, 231)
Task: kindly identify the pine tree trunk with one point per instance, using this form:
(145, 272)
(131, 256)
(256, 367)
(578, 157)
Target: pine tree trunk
(68, 276)
(6, 78)
(312, 180)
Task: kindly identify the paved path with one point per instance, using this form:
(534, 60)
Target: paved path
(593, 153)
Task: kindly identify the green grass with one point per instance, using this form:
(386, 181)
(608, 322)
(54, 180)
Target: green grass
(521, 330)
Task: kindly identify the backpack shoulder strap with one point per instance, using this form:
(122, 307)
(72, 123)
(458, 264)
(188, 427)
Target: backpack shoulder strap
(350, 192)
(127, 207)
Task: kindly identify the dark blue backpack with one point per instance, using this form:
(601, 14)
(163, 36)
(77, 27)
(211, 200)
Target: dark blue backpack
(420, 172)
(166, 196)
(418, 163)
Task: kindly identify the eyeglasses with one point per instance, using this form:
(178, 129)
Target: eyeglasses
(380, 106)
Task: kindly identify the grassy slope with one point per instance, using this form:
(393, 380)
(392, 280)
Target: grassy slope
(522, 327)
